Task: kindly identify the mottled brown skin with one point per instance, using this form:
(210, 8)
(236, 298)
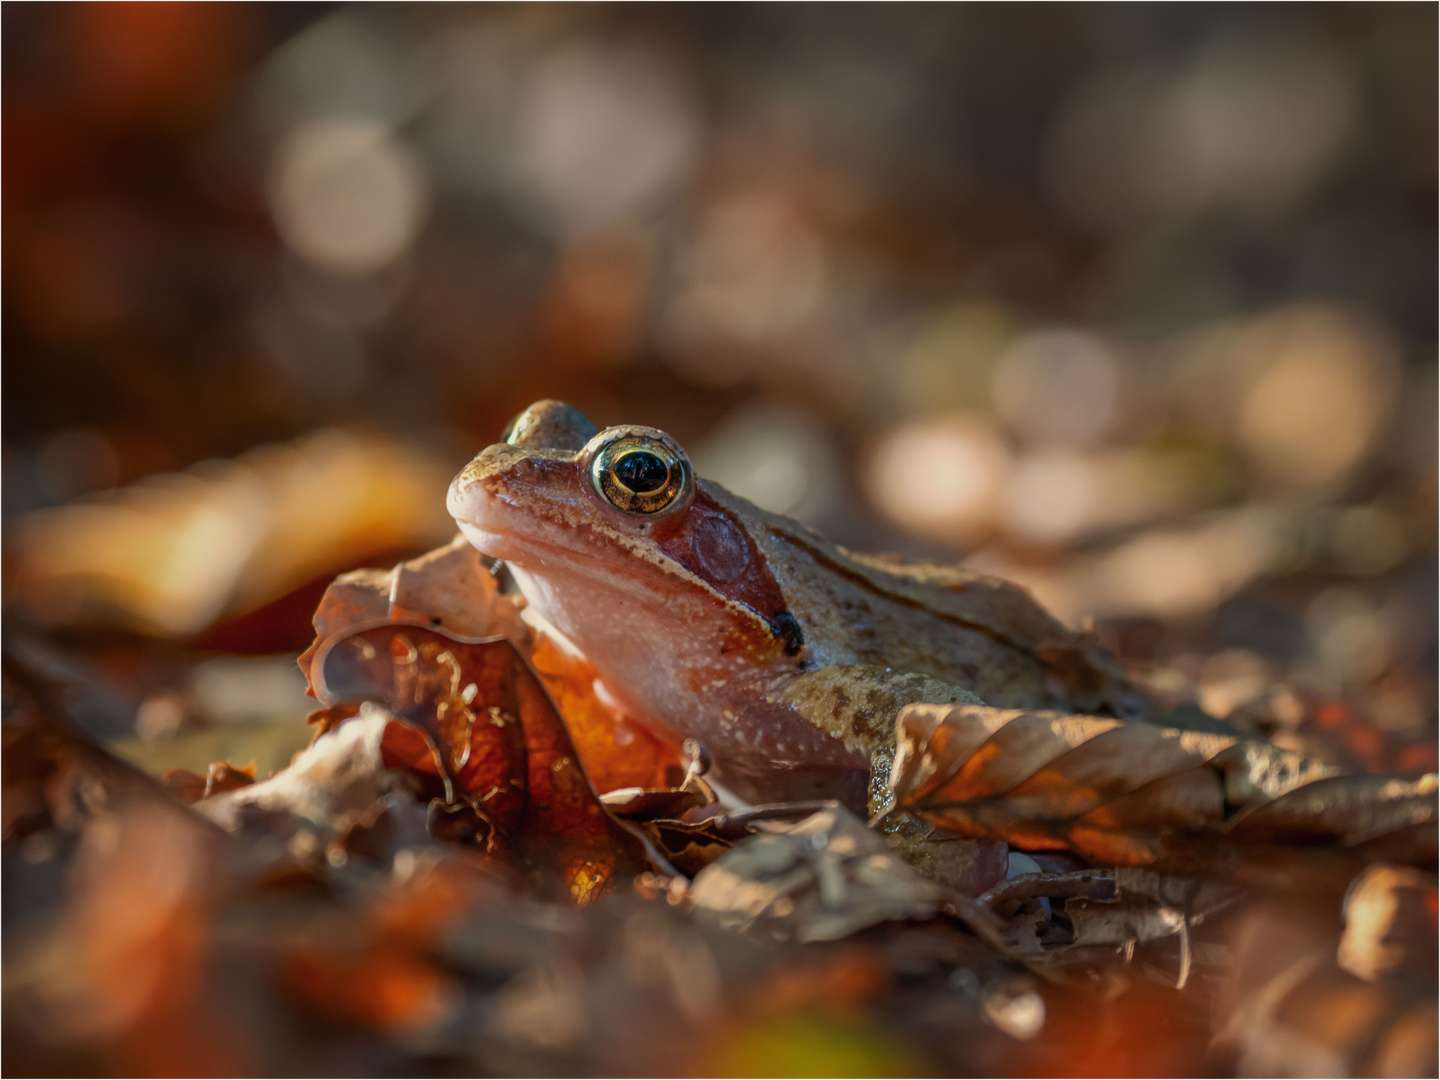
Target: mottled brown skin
(787, 656)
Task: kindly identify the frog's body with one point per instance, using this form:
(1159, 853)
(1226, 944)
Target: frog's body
(787, 656)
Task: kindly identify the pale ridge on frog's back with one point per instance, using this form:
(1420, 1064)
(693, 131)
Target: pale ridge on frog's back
(705, 616)
(977, 631)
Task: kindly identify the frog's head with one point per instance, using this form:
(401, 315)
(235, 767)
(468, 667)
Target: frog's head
(611, 535)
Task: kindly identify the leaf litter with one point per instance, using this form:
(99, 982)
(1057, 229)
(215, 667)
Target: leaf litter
(435, 885)
(1140, 794)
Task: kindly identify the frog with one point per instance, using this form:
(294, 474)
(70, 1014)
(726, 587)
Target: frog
(786, 656)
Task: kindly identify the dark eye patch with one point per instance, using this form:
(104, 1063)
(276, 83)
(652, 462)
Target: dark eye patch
(784, 627)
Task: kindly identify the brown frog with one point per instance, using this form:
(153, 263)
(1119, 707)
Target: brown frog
(787, 656)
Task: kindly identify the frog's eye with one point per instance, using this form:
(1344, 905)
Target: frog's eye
(640, 475)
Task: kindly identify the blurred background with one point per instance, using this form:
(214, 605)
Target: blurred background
(1134, 304)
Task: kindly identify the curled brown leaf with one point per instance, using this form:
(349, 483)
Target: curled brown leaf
(496, 742)
(450, 589)
(1137, 794)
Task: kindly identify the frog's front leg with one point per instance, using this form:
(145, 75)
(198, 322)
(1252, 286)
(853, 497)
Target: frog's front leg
(858, 703)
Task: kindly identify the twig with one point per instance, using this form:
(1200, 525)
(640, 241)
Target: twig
(1093, 884)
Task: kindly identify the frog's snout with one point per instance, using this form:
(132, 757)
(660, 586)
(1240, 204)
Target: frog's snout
(473, 486)
(461, 493)
(471, 498)
(504, 479)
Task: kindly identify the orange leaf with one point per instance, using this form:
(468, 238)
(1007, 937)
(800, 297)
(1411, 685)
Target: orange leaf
(616, 753)
(450, 589)
(221, 777)
(496, 740)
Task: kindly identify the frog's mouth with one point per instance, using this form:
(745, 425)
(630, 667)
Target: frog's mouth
(498, 545)
(537, 556)
(527, 552)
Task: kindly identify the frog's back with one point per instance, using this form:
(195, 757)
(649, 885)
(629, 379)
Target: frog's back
(974, 631)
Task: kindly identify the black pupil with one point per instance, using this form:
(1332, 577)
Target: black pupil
(642, 472)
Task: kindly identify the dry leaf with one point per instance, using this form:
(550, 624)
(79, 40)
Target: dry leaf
(1085, 918)
(642, 804)
(667, 805)
(820, 879)
(385, 976)
(450, 589)
(1136, 794)
(171, 554)
(109, 902)
(689, 845)
(1390, 917)
(1094, 884)
(496, 742)
(219, 778)
(1289, 1009)
(338, 778)
(616, 752)
(190, 786)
